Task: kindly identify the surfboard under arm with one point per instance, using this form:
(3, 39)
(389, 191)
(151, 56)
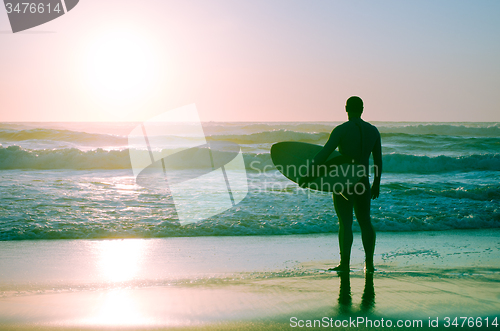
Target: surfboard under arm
(293, 160)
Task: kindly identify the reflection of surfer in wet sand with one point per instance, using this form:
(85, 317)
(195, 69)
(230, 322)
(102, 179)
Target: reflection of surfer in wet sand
(345, 298)
(356, 139)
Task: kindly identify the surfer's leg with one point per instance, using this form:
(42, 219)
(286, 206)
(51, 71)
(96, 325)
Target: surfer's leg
(343, 208)
(362, 210)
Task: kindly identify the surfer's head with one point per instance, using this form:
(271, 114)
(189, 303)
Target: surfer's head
(354, 106)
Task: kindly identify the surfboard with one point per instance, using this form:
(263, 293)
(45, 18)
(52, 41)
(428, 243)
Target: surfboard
(293, 159)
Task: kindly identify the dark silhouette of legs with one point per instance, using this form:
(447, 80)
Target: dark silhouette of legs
(362, 211)
(344, 207)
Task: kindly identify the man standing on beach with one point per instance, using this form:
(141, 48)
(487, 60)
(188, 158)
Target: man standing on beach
(356, 139)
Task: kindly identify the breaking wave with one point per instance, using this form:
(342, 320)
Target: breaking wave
(15, 157)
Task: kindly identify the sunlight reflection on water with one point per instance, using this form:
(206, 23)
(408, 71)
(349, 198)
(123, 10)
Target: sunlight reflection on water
(120, 260)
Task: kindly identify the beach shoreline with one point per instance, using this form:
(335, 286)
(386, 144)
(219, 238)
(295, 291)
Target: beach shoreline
(205, 282)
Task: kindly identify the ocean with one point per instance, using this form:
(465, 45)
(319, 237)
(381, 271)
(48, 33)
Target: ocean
(74, 181)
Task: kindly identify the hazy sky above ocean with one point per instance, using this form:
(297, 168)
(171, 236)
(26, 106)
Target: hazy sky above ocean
(255, 61)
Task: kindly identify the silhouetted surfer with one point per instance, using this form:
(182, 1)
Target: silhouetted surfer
(356, 139)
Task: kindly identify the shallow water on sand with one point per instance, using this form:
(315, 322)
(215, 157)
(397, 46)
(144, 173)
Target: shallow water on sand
(188, 281)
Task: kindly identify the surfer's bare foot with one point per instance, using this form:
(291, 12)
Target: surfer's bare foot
(341, 268)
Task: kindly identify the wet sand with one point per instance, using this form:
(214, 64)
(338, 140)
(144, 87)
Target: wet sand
(247, 283)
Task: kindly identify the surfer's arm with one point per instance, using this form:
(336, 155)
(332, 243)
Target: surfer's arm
(322, 156)
(332, 143)
(377, 161)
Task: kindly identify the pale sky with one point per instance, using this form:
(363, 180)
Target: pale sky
(255, 61)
